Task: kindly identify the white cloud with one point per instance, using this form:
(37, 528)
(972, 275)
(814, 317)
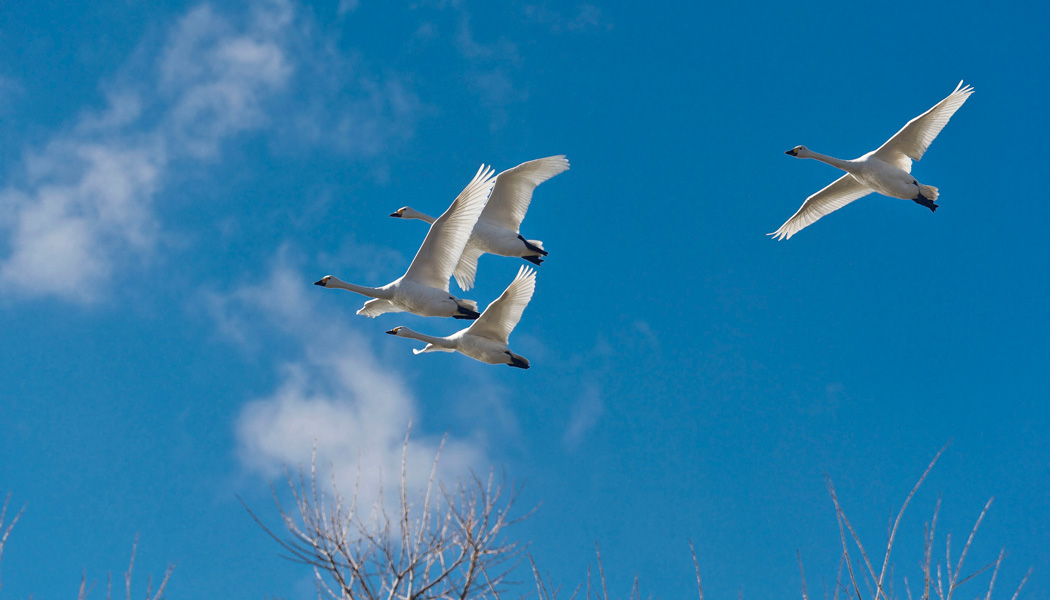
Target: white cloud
(85, 206)
(338, 103)
(11, 91)
(587, 17)
(501, 50)
(219, 79)
(80, 212)
(593, 374)
(337, 394)
(86, 203)
(586, 413)
(347, 6)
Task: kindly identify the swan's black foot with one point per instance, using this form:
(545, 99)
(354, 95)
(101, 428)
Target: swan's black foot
(518, 362)
(466, 313)
(536, 260)
(532, 247)
(923, 200)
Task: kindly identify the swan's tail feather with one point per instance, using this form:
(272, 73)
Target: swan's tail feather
(533, 245)
(928, 191)
(468, 309)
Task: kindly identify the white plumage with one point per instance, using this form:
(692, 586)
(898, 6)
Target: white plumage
(423, 289)
(886, 170)
(497, 228)
(487, 338)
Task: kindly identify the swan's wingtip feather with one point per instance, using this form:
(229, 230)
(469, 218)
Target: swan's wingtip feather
(417, 351)
(962, 90)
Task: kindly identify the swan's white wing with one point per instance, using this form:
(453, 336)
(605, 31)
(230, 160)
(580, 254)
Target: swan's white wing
(513, 190)
(440, 252)
(377, 306)
(431, 348)
(500, 318)
(914, 138)
(841, 192)
(467, 268)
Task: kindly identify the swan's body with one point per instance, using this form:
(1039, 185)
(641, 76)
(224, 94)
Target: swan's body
(886, 170)
(423, 289)
(486, 339)
(497, 229)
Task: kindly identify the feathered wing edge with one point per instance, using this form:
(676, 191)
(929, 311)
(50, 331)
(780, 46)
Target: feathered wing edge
(467, 268)
(839, 193)
(378, 306)
(440, 251)
(510, 201)
(431, 348)
(502, 316)
(912, 141)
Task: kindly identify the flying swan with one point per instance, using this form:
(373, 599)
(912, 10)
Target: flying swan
(887, 170)
(486, 338)
(423, 289)
(496, 231)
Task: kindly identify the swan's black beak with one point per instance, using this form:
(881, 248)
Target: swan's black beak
(392, 332)
(320, 282)
(792, 152)
(396, 215)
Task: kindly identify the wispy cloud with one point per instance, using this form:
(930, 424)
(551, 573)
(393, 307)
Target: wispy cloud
(337, 393)
(218, 77)
(593, 375)
(85, 203)
(584, 18)
(83, 206)
(9, 89)
(81, 210)
(586, 412)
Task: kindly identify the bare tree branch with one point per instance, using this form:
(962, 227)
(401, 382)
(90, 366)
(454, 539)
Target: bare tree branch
(10, 526)
(448, 545)
(700, 587)
(880, 586)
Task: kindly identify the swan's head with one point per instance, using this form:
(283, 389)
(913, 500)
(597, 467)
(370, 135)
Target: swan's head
(407, 212)
(323, 282)
(395, 330)
(794, 151)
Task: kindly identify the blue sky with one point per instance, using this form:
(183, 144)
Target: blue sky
(174, 179)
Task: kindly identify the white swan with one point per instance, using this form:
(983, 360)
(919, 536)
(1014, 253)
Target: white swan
(486, 339)
(886, 170)
(423, 289)
(496, 231)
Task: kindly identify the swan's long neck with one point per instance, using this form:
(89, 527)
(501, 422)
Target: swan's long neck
(831, 160)
(371, 292)
(437, 341)
(411, 213)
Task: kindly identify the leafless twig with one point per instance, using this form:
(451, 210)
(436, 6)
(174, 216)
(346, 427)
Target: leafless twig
(7, 531)
(450, 546)
(880, 584)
